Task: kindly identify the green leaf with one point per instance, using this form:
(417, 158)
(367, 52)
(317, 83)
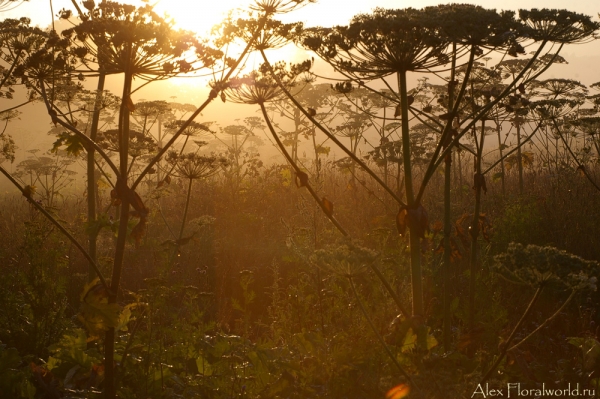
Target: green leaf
(410, 341)
(204, 366)
(71, 141)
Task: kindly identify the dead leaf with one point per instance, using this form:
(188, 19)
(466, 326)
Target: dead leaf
(301, 179)
(327, 206)
(401, 221)
(129, 104)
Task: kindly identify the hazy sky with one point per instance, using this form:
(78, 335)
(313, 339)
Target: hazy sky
(201, 15)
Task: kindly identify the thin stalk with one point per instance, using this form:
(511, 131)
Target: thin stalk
(297, 170)
(502, 170)
(55, 222)
(379, 337)
(329, 134)
(197, 112)
(418, 308)
(473, 258)
(548, 320)
(512, 335)
(109, 342)
(448, 223)
(519, 158)
(91, 171)
(330, 216)
(187, 205)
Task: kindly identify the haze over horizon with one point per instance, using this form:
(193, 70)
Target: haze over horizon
(201, 17)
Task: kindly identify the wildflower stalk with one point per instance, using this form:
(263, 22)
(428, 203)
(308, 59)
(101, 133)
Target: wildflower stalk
(212, 95)
(330, 135)
(379, 337)
(377, 272)
(506, 344)
(62, 229)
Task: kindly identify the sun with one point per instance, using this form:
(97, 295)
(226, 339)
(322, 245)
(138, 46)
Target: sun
(199, 17)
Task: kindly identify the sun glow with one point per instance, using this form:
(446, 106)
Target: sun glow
(199, 17)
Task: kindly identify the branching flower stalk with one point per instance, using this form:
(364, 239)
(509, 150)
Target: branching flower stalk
(260, 89)
(541, 268)
(329, 135)
(379, 337)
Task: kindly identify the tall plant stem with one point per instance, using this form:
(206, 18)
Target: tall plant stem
(109, 342)
(182, 228)
(211, 96)
(418, 308)
(519, 158)
(297, 171)
(91, 172)
(439, 154)
(55, 222)
(328, 133)
(187, 205)
(502, 170)
(377, 272)
(446, 332)
(506, 344)
(379, 337)
(473, 258)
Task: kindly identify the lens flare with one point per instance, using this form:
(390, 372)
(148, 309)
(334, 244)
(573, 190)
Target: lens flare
(398, 392)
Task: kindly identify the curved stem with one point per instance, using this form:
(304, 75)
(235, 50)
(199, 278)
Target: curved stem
(40, 208)
(548, 320)
(329, 134)
(297, 169)
(568, 147)
(211, 97)
(438, 156)
(379, 337)
(86, 139)
(512, 335)
(187, 205)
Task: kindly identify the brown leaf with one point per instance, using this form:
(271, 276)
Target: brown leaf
(398, 110)
(129, 104)
(327, 206)
(311, 112)
(401, 221)
(410, 100)
(301, 179)
(521, 88)
(223, 98)
(138, 232)
(485, 227)
(581, 170)
(418, 221)
(437, 227)
(479, 182)
(427, 108)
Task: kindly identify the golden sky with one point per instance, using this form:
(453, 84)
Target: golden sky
(200, 15)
